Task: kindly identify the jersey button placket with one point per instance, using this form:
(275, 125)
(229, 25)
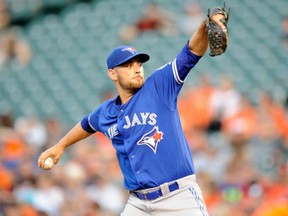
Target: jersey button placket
(133, 157)
(120, 115)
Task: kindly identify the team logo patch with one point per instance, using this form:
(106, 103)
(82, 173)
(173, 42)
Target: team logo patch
(130, 49)
(151, 139)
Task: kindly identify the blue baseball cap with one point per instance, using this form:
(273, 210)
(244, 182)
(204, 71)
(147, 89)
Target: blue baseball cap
(122, 54)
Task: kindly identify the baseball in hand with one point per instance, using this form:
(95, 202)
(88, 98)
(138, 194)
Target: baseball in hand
(48, 163)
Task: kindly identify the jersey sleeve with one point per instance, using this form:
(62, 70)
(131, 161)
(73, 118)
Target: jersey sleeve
(184, 62)
(90, 122)
(86, 126)
(169, 79)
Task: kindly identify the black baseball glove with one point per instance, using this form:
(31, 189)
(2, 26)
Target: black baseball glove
(217, 36)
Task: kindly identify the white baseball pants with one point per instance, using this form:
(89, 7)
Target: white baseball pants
(186, 201)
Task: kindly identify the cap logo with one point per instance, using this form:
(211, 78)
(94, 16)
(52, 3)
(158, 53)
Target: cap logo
(124, 54)
(130, 49)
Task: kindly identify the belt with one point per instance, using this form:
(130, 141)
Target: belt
(152, 195)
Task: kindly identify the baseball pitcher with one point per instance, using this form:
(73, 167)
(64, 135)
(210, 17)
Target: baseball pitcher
(143, 125)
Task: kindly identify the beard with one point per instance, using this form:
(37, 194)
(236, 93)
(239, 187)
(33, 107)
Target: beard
(132, 86)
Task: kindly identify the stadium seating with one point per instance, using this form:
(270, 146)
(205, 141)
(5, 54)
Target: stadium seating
(67, 75)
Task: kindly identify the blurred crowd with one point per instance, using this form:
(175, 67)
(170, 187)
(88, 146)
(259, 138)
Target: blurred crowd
(86, 181)
(239, 147)
(159, 20)
(240, 152)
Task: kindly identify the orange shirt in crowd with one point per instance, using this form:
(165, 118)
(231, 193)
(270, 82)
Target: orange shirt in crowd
(276, 201)
(194, 109)
(27, 210)
(6, 179)
(276, 112)
(272, 209)
(13, 149)
(243, 122)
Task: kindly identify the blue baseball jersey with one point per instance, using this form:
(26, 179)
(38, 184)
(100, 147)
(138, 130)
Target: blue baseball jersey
(146, 131)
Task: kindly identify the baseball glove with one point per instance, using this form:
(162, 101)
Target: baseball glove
(218, 38)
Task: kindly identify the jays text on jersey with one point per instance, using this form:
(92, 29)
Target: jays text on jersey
(146, 131)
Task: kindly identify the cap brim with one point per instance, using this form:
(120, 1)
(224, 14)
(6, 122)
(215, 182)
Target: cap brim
(141, 56)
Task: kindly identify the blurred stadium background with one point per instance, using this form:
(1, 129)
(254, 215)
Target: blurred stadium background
(70, 39)
(70, 46)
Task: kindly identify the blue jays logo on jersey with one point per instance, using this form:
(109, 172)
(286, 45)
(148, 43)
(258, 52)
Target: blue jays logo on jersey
(151, 139)
(130, 49)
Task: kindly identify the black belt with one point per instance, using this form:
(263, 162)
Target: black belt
(152, 195)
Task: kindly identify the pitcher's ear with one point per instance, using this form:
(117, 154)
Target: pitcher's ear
(112, 74)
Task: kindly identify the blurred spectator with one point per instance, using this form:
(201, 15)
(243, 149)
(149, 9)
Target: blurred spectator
(222, 209)
(205, 154)
(239, 170)
(25, 190)
(194, 106)
(33, 131)
(54, 130)
(6, 179)
(6, 120)
(192, 15)
(4, 15)
(263, 150)
(13, 150)
(285, 30)
(225, 102)
(264, 147)
(241, 122)
(211, 192)
(109, 196)
(275, 201)
(153, 18)
(272, 113)
(12, 43)
(48, 197)
(13, 46)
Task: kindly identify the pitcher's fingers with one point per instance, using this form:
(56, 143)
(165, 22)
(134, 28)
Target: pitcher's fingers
(217, 19)
(41, 160)
(222, 26)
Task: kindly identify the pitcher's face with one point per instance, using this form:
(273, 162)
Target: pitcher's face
(130, 75)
